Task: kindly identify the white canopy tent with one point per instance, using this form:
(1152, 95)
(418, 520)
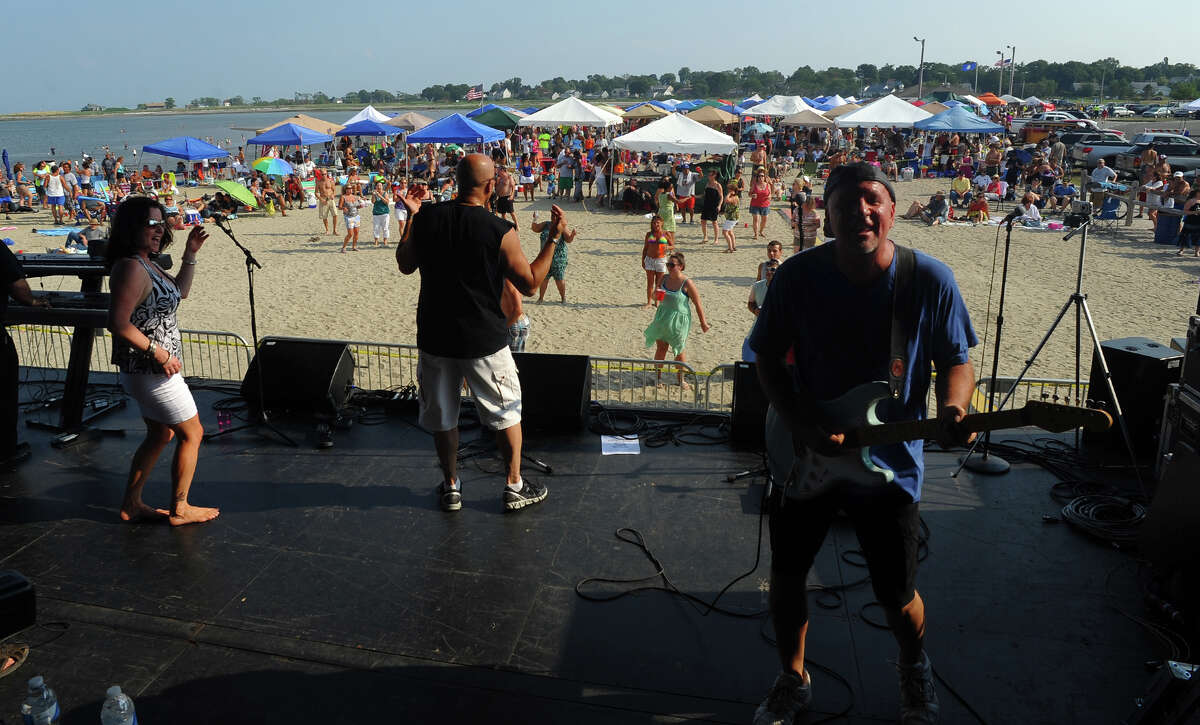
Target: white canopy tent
(1007, 98)
(973, 100)
(571, 111)
(780, 106)
(368, 114)
(887, 111)
(836, 100)
(676, 134)
(807, 119)
(1033, 101)
(1193, 106)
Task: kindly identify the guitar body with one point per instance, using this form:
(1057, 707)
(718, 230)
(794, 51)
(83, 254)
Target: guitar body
(810, 474)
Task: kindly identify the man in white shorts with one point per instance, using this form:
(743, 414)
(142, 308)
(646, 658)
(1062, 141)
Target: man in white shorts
(465, 254)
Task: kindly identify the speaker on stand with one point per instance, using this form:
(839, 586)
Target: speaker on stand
(1141, 370)
(304, 376)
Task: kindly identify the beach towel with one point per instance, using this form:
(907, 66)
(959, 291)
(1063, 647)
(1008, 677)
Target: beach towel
(58, 231)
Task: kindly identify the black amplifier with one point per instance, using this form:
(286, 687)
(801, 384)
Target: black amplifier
(1190, 376)
(1180, 428)
(18, 608)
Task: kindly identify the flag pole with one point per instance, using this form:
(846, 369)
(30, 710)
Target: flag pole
(976, 79)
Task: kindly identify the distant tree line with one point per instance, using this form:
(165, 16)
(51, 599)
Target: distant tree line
(1040, 78)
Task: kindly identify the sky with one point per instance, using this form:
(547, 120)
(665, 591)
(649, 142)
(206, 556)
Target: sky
(133, 51)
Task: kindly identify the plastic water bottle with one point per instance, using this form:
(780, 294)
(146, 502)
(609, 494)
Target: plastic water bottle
(118, 708)
(41, 706)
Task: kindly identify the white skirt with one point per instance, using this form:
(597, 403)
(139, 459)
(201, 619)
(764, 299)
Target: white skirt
(162, 399)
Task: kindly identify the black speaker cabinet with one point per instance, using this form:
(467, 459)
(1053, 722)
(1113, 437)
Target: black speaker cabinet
(307, 376)
(555, 390)
(1141, 371)
(18, 603)
(1190, 377)
(746, 425)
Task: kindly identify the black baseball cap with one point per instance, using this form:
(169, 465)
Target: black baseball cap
(853, 175)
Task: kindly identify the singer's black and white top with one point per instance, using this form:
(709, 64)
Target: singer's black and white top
(154, 317)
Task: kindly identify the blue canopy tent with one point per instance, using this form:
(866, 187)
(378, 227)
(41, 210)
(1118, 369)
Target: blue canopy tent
(289, 134)
(186, 148)
(367, 127)
(531, 109)
(957, 120)
(455, 128)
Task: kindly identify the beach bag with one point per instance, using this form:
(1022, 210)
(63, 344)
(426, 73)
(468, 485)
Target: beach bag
(270, 207)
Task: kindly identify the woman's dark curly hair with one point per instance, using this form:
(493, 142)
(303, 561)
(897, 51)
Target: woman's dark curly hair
(128, 221)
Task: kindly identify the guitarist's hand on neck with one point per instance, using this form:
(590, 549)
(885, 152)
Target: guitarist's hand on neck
(954, 390)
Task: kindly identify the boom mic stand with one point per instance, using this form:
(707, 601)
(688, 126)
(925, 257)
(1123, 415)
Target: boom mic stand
(260, 420)
(987, 463)
(1079, 300)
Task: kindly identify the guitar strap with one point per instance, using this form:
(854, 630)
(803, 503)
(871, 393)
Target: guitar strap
(906, 263)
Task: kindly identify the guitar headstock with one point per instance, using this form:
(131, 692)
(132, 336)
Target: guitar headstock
(1060, 418)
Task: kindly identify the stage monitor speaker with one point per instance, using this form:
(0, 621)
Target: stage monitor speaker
(1190, 377)
(307, 376)
(555, 390)
(746, 425)
(1141, 370)
(18, 603)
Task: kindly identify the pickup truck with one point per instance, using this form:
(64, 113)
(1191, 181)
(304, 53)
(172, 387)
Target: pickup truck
(1088, 150)
(1182, 152)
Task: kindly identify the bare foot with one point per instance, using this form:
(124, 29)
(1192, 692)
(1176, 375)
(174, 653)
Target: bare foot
(647, 306)
(194, 515)
(139, 512)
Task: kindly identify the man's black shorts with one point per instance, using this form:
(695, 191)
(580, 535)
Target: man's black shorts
(888, 528)
(504, 205)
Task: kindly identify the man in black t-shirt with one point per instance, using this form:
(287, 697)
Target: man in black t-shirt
(465, 253)
(12, 278)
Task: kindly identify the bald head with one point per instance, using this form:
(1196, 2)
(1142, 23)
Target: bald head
(474, 172)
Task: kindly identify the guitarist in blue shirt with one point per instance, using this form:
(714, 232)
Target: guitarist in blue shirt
(856, 310)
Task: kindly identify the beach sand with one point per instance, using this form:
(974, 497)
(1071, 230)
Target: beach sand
(307, 289)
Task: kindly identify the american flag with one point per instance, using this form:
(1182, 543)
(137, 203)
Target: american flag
(475, 93)
(1003, 63)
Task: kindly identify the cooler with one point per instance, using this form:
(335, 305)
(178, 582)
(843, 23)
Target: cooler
(906, 174)
(1166, 231)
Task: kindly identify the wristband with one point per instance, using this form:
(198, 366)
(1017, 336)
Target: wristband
(189, 261)
(150, 350)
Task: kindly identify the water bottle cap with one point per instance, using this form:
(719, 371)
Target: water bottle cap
(113, 691)
(36, 682)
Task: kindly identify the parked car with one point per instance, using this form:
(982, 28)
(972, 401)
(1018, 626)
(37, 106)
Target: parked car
(1120, 112)
(1137, 107)
(1157, 112)
(1182, 152)
(1184, 112)
(1092, 147)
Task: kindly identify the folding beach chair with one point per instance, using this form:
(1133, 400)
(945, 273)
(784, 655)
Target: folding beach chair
(1112, 210)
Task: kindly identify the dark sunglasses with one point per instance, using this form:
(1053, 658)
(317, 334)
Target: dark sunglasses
(154, 222)
(672, 264)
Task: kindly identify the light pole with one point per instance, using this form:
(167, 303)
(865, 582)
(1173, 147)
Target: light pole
(921, 69)
(1012, 76)
(1000, 84)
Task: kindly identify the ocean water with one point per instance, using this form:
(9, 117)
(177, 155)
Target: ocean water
(31, 140)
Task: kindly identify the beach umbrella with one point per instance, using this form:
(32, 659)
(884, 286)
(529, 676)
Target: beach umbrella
(187, 148)
(272, 166)
(368, 127)
(238, 192)
(759, 128)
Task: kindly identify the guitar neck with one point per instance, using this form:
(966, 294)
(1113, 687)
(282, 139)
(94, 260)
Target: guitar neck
(879, 435)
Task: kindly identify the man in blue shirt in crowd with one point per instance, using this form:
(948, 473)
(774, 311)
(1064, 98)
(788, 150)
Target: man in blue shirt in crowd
(832, 307)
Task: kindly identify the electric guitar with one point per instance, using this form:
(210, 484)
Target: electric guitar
(854, 414)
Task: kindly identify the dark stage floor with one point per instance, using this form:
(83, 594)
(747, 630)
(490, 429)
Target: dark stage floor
(333, 590)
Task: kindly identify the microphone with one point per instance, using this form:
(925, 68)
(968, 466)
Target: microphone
(217, 218)
(1012, 215)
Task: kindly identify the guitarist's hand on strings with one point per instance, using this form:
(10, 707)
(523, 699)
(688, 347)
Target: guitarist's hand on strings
(817, 439)
(951, 433)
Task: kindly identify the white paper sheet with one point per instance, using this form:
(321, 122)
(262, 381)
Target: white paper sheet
(620, 445)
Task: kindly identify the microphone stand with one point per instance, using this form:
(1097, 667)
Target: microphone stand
(260, 420)
(988, 463)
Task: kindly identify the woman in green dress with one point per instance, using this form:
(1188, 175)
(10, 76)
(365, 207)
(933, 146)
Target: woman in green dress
(555, 231)
(664, 201)
(673, 320)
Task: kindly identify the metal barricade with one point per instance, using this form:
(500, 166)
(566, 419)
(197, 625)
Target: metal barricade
(383, 366)
(1050, 390)
(718, 388)
(215, 355)
(639, 383)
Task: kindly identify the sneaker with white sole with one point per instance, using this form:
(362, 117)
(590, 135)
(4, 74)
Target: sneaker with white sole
(918, 701)
(529, 494)
(450, 497)
(789, 696)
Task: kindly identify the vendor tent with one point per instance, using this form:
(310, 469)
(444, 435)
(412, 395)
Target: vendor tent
(491, 107)
(934, 108)
(990, 99)
(1010, 98)
(367, 114)
(187, 148)
(644, 110)
(455, 128)
(780, 106)
(500, 118)
(313, 124)
(1193, 106)
(972, 100)
(1033, 101)
(571, 111)
(410, 121)
(290, 134)
(888, 111)
(808, 119)
(752, 99)
(676, 134)
(841, 110)
(367, 127)
(959, 119)
(710, 116)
